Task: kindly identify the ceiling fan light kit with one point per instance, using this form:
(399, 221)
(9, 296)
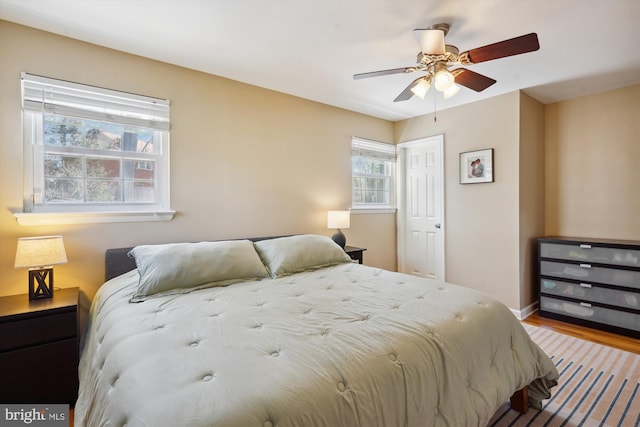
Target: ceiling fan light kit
(451, 91)
(436, 57)
(421, 88)
(444, 78)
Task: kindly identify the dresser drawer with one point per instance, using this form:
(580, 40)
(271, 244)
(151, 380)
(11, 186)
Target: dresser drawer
(591, 274)
(39, 330)
(591, 293)
(587, 253)
(621, 319)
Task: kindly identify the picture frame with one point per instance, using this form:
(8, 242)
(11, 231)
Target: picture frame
(476, 167)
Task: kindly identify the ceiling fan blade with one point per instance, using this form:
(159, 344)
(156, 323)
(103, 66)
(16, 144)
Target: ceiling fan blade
(471, 79)
(431, 42)
(383, 73)
(514, 46)
(407, 93)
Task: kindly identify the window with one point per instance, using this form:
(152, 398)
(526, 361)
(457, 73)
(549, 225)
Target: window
(89, 149)
(373, 174)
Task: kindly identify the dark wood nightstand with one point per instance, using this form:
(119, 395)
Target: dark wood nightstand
(39, 348)
(354, 253)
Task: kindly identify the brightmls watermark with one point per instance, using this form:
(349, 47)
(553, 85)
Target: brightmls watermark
(46, 415)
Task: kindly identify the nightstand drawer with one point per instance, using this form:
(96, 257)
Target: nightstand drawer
(39, 330)
(42, 374)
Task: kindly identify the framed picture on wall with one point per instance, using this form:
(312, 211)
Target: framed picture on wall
(476, 166)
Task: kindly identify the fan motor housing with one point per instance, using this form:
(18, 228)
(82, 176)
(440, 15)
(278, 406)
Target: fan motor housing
(444, 27)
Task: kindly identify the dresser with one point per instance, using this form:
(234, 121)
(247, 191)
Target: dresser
(39, 348)
(591, 282)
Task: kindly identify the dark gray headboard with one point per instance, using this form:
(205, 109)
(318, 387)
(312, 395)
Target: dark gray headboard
(117, 262)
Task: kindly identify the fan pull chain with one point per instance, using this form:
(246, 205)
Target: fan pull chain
(435, 108)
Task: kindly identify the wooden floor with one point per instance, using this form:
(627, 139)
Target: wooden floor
(606, 338)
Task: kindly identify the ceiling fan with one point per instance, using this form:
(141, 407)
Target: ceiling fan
(436, 57)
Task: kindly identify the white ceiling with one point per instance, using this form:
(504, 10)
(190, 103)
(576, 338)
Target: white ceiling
(312, 48)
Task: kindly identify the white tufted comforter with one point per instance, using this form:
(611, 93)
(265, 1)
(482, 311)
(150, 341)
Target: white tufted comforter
(347, 345)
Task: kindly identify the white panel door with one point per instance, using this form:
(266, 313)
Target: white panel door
(421, 208)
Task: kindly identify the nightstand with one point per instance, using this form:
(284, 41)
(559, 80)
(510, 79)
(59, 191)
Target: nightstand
(354, 253)
(39, 348)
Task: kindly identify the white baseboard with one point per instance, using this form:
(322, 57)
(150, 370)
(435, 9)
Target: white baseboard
(526, 312)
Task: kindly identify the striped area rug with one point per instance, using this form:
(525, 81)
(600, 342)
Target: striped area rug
(598, 386)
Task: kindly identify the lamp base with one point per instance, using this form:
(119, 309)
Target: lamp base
(339, 238)
(38, 286)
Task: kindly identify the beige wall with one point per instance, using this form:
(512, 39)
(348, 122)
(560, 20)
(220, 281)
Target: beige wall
(569, 168)
(532, 180)
(481, 220)
(593, 166)
(245, 161)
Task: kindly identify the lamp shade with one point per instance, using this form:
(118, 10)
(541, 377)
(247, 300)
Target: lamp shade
(444, 79)
(421, 88)
(40, 252)
(451, 91)
(338, 219)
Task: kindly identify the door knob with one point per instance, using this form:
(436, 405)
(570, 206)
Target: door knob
(437, 225)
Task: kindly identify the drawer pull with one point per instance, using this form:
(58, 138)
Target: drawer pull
(585, 304)
(585, 285)
(585, 265)
(585, 246)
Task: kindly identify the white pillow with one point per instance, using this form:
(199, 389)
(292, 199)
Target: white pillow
(184, 267)
(288, 255)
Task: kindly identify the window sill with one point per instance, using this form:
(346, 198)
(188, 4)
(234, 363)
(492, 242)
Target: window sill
(59, 218)
(358, 211)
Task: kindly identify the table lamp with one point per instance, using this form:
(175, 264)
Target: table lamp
(338, 219)
(39, 254)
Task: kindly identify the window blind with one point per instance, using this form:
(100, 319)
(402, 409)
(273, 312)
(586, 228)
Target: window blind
(43, 94)
(368, 148)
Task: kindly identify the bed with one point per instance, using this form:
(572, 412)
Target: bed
(288, 332)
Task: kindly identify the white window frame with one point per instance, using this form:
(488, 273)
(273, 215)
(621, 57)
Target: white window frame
(42, 95)
(379, 150)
